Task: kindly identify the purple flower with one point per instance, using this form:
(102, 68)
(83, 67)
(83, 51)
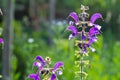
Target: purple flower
(53, 77)
(34, 76)
(38, 64)
(93, 31)
(92, 39)
(74, 16)
(97, 26)
(39, 58)
(56, 67)
(74, 31)
(92, 34)
(94, 17)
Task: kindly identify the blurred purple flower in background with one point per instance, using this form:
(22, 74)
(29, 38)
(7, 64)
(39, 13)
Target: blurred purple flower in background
(1, 40)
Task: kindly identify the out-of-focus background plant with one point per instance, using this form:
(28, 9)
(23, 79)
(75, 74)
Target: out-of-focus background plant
(39, 29)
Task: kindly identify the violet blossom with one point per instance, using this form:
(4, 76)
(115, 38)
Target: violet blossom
(74, 16)
(90, 36)
(54, 71)
(34, 76)
(74, 31)
(41, 64)
(41, 60)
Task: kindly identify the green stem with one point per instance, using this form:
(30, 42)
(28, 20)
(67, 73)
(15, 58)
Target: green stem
(81, 67)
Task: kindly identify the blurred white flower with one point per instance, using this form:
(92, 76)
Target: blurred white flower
(30, 40)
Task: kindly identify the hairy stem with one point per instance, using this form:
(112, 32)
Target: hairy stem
(81, 67)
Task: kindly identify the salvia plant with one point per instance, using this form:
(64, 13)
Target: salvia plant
(85, 32)
(44, 71)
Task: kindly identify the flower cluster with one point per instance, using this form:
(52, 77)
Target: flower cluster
(44, 71)
(86, 38)
(86, 32)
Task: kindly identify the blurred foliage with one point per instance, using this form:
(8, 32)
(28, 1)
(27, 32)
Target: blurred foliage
(104, 63)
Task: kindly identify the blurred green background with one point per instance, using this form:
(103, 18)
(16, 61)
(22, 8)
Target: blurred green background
(40, 30)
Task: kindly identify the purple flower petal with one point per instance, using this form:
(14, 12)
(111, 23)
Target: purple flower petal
(95, 17)
(73, 29)
(71, 22)
(58, 65)
(74, 16)
(71, 36)
(97, 26)
(59, 72)
(92, 40)
(41, 60)
(1, 40)
(53, 77)
(38, 64)
(93, 31)
(34, 76)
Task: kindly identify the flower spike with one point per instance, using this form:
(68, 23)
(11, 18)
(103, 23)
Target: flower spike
(85, 32)
(44, 72)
